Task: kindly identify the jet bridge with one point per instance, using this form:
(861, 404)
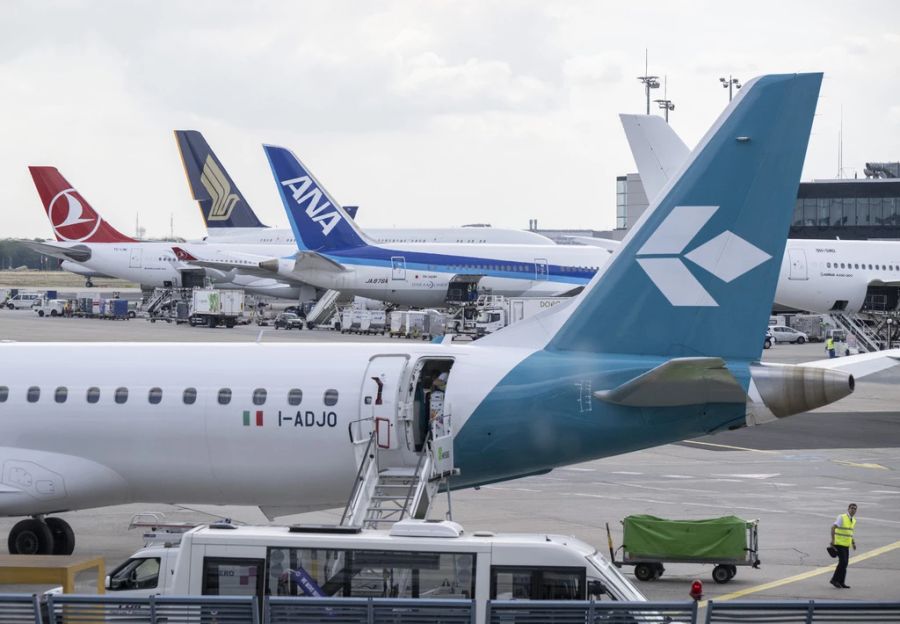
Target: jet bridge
(403, 441)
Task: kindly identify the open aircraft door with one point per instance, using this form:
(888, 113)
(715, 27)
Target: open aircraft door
(379, 401)
(797, 258)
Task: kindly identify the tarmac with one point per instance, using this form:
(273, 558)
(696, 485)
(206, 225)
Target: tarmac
(795, 476)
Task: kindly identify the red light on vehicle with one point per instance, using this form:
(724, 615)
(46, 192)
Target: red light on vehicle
(696, 590)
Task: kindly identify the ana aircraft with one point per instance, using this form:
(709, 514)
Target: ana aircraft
(816, 275)
(229, 217)
(662, 345)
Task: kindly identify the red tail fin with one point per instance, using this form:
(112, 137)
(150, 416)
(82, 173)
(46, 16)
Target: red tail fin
(71, 216)
(183, 255)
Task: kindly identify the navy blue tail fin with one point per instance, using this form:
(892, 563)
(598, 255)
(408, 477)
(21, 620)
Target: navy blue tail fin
(221, 203)
(697, 274)
(318, 221)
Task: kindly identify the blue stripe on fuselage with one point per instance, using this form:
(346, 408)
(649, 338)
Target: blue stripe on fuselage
(543, 415)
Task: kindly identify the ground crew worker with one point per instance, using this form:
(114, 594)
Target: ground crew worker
(842, 540)
(436, 406)
(829, 346)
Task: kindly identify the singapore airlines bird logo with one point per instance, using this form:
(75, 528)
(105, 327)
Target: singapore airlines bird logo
(216, 184)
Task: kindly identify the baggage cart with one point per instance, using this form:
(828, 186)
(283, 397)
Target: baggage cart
(648, 542)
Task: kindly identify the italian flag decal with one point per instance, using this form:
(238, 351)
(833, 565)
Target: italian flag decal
(259, 418)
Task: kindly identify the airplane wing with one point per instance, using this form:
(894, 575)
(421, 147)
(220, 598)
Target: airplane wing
(310, 260)
(608, 244)
(239, 263)
(861, 365)
(77, 253)
(680, 381)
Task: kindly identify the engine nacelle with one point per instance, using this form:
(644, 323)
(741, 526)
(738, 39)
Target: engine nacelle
(283, 267)
(788, 390)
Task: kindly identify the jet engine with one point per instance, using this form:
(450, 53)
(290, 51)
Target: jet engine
(782, 390)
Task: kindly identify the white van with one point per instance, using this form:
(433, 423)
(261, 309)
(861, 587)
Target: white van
(23, 301)
(415, 559)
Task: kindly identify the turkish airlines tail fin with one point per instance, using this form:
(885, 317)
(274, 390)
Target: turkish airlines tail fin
(71, 216)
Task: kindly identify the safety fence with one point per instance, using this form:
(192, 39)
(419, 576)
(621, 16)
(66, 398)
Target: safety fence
(84, 609)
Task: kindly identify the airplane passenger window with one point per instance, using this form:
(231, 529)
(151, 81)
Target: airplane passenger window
(295, 395)
(61, 394)
(154, 396)
(224, 396)
(331, 397)
(93, 395)
(190, 396)
(34, 393)
(828, 264)
(259, 396)
(4, 393)
(121, 395)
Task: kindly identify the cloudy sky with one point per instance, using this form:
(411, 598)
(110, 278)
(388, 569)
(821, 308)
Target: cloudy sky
(423, 113)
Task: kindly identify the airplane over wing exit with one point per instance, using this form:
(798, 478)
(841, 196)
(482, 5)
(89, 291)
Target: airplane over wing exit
(661, 346)
(229, 217)
(816, 275)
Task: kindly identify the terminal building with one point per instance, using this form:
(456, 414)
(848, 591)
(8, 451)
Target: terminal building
(849, 209)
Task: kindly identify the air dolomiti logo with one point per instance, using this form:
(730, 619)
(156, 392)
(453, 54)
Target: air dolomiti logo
(216, 184)
(727, 256)
(305, 191)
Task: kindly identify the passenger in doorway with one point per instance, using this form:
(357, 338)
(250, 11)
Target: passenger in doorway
(829, 346)
(436, 406)
(842, 540)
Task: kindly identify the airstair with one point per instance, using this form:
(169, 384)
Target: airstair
(404, 458)
(324, 309)
(864, 329)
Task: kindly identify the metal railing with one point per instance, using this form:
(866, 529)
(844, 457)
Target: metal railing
(81, 609)
(73, 609)
(588, 612)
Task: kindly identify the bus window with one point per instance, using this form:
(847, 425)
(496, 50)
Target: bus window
(537, 583)
(370, 573)
(233, 576)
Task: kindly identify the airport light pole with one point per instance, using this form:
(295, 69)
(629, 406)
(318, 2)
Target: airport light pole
(730, 84)
(649, 82)
(667, 106)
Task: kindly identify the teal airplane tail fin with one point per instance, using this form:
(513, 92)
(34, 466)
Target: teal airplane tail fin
(697, 274)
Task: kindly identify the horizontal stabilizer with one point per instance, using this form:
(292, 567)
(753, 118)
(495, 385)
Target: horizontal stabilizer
(677, 382)
(77, 253)
(861, 365)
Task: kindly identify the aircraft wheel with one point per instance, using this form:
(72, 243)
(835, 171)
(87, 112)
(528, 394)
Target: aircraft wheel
(30, 537)
(63, 536)
(644, 571)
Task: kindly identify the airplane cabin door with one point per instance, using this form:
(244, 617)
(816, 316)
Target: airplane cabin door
(398, 268)
(380, 399)
(541, 272)
(798, 270)
(134, 261)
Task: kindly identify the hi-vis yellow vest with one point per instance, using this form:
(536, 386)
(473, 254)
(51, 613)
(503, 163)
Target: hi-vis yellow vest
(843, 535)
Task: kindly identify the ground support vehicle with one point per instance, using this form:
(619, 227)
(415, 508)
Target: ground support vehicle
(649, 542)
(23, 301)
(50, 307)
(414, 559)
(212, 307)
(288, 320)
(815, 326)
(356, 320)
(424, 324)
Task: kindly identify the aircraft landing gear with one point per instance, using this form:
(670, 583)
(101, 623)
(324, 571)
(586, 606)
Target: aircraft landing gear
(41, 536)
(88, 283)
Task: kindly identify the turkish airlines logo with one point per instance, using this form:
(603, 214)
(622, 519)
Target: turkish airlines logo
(216, 184)
(305, 191)
(67, 215)
(727, 256)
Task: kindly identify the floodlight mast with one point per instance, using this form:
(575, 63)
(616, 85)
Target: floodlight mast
(649, 82)
(730, 84)
(665, 104)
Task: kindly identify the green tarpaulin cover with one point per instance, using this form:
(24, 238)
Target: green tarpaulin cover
(717, 538)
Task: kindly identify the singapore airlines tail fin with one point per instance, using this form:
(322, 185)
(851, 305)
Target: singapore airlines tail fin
(658, 151)
(70, 214)
(320, 224)
(699, 270)
(221, 202)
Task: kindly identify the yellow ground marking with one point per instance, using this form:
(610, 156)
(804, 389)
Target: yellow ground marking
(727, 446)
(855, 465)
(805, 575)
